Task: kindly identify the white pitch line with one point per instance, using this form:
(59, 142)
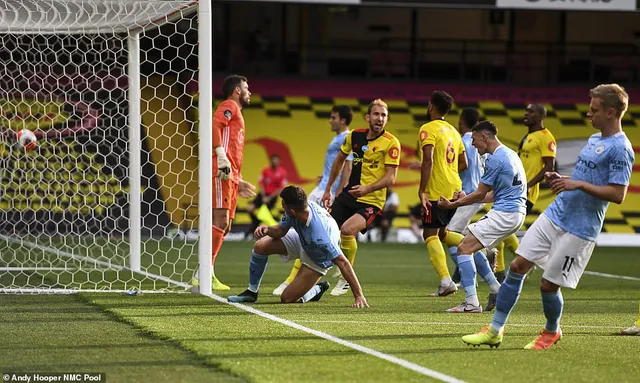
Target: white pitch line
(442, 323)
(366, 350)
(614, 276)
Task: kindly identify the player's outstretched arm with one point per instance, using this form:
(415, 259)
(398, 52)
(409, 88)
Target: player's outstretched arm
(275, 232)
(613, 192)
(469, 199)
(336, 168)
(351, 278)
(463, 162)
(548, 168)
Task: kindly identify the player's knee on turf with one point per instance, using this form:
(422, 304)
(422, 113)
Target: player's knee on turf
(520, 265)
(289, 297)
(548, 287)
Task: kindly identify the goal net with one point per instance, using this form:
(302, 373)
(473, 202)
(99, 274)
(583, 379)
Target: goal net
(102, 84)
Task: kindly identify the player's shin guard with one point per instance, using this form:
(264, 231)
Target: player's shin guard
(257, 266)
(438, 257)
(349, 247)
(453, 252)
(507, 298)
(552, 304)
(512, 243)
(482, 265)
(294, 271)
(468, 278)
(500, 257)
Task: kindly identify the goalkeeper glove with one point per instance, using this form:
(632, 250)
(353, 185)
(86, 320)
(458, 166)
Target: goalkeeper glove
(224, 165)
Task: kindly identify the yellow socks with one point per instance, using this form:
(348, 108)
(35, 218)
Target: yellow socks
(638, 320)
(294, 271)
(264, 215)
(500, 257)
(452, 238)
(512, 243)
(437, 256)
(349, 247)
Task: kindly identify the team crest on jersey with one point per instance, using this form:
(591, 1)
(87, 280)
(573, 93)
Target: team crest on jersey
(364, 148)
(227, 114)
(600, 149)
(394, 153)
(552, 146)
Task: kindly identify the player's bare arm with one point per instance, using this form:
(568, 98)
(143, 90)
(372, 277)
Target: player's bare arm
(387, 180)
(275, 232)
(548, 167)
(613, 192)
(425, 174)
(469, 199)
(350, 276)
(344, 179)
(463, 162)
(336, 168)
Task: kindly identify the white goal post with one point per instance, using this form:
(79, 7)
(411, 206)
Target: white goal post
(102, 83)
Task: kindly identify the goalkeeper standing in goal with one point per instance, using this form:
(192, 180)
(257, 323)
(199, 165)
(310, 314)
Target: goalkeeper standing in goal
(228, 144)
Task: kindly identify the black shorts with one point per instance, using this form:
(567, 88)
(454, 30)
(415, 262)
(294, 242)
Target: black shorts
(436, 217)
(345, 207)
(257, 202)
(529, 207)
(388, 215)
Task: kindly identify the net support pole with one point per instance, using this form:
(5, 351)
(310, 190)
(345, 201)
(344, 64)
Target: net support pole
(205, 144)
(133, 70)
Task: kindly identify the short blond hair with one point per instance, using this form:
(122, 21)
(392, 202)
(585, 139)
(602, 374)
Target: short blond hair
(377, 102)
(612, 96)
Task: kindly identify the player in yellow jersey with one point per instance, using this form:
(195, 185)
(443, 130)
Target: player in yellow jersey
(537, 151)
(376, 156)
(443, 158)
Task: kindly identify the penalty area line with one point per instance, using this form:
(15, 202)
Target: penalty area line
(366, 350)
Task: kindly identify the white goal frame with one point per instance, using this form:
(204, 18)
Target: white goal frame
(90, 19)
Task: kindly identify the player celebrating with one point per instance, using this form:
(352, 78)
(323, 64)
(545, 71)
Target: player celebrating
(504, 175)
(339, 120)
(442, 159)
(537, 152)
(228, 144)
(315, 240)
(563, 237)
(376, 156)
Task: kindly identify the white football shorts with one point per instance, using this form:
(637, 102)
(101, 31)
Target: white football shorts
(463, 216)
(562, 255)
(495, 226)
(294, 248)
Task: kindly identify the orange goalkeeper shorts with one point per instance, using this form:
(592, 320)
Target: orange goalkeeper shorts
(225, 195)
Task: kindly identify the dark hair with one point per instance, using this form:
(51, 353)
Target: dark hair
(540, 109)
(442, 101)
(470, 116)
(294, 197)
(344, 113)
(274, 155)
(231, 83)
(485, 126)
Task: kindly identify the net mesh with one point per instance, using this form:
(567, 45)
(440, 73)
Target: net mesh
(64, 207)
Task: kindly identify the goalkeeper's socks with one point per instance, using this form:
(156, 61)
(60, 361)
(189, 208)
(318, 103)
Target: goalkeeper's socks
(257, 266)
(507, 298)
(482, 265)
(468, 278)
(552, 304)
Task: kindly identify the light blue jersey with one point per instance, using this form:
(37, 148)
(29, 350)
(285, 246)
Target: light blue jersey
(332, 153)
(505, 174)
(320, 235)
(603, 161)
(471, 175)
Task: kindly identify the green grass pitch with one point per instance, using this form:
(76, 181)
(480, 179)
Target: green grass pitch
(191, 338)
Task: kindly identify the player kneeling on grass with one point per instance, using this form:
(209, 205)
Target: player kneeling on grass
(315, 240)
